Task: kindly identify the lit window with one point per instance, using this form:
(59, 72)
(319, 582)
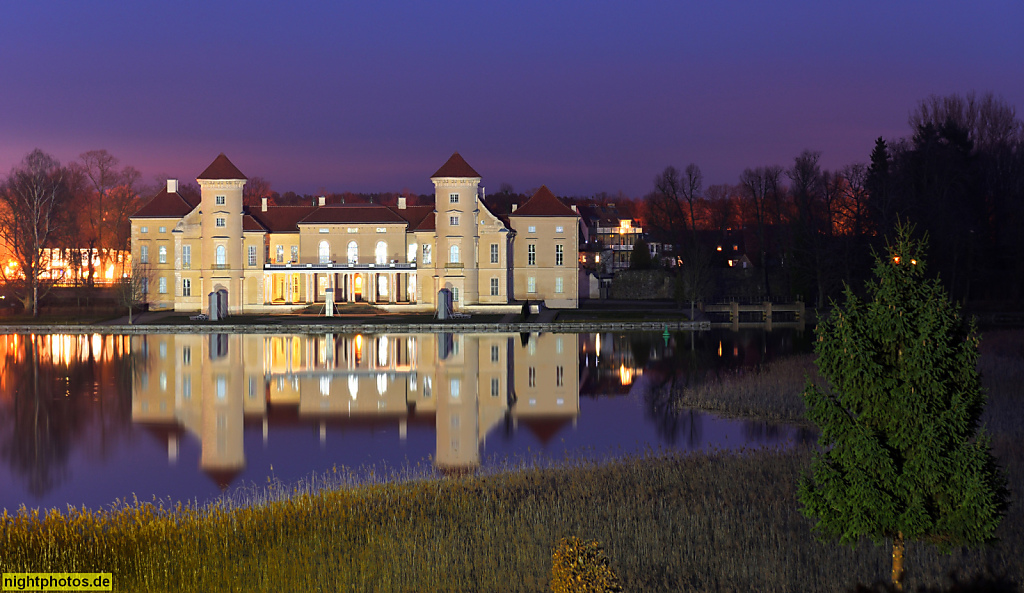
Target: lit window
(494, 287)
(161, 284)
(186, 387)
(324, 252)
(453, 254)
(222, 387)
(144, 254)
(411, 253)
(280, 254)
(531, 229)
(295, 254)
(531, 255)
(162, 254)
(381, 253)
(531, 284)
(453, 220)
(222, 222)
(353, 252)
(426, 254)
(558, 285)
(453, 198)
(558, 255)
(221, 200)
(222, 254)
(559, 229)
(186, 256)
(494, 253)
(252, 255)
(454, 387)
(186, 287)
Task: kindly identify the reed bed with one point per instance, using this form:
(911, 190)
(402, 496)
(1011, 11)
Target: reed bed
(769, 392)
(713, 522)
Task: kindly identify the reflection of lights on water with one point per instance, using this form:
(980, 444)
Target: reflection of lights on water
(625, 375)
(719, 349)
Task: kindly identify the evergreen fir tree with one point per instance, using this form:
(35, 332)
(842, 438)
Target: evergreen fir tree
(902, 456)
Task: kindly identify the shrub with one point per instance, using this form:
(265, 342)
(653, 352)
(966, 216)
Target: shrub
(579, 566)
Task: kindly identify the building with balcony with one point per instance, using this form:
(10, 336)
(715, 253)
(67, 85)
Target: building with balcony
(279, 257)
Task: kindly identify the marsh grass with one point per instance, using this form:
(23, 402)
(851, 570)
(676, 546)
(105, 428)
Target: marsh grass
(768, 392)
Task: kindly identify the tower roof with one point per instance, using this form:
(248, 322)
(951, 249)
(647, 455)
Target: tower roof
(455, 166)
(221, 168)
(544, 203)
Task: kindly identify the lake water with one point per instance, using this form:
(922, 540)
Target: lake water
(86, 420)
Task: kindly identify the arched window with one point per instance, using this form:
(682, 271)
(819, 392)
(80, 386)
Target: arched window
(353, 252)
(222, 255)
(453, 254)
(381, 253)
(325, 252)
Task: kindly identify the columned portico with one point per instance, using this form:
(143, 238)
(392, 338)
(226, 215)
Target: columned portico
(391, 283)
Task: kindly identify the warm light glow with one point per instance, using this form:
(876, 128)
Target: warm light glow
(896, 259)
(719, 248)
(719, 348)
(625, 375)
(913, 262)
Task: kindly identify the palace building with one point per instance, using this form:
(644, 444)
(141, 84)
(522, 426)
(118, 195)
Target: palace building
(273, 257)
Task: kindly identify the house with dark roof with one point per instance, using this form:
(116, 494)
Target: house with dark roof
(280, 257)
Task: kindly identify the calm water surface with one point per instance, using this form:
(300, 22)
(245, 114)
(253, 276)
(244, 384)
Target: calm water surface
(86, 420)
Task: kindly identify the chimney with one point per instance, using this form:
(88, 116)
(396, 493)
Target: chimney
(401, 202)
(322, 200)
(514, 206)
(172, 186)
(263, 203)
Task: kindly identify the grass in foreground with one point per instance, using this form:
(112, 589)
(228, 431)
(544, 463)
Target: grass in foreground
(715, 522)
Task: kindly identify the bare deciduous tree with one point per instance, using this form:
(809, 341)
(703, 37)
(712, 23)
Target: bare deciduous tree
(32, 215)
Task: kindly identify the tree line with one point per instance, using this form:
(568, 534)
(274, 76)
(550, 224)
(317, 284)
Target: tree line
(959, 176)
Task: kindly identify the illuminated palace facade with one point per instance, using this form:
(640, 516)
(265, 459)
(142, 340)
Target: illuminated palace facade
(275, 257)
(465, 386)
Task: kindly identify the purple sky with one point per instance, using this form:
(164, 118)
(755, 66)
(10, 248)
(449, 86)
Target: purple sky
(582, 96)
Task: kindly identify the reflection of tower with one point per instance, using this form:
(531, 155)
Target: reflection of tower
(223, 455)
(458, 402)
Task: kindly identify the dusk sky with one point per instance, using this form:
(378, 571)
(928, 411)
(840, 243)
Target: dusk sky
(581, 96)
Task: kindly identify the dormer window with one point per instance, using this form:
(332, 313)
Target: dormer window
(221, 200)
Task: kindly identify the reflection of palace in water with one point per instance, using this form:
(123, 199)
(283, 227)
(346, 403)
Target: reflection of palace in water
(464, 385)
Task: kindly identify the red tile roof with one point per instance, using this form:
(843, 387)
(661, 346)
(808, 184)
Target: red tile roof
(251, 224)
(344, 214)
(414, 215)
(544, 203)
(428, 223)
(164, 205)
(456, 166)
(221, 168)
(281, 219)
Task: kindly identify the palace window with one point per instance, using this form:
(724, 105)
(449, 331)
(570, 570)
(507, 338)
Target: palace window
(381, 253)
(453, 198)
(531, 284)
(531, 255)
(162, 229)
(494, 387)
(252, 255)
(531, 229)
(162, 254)
(353, 252)
(494, 287)
(325, 252)
(455, 294)
(494, 253)
(144, 254)
(453, 220)
(559, 376)
(426, 254)
(221, 200)
(186, 257)
(222, 255)
(559, 255)
(558, 285)
(280, 254)
(559, 229)
(453, 254)
(494, 353)
(295, 254)
(186, 287)
(144, 229)
(162, 285)
(222, 222)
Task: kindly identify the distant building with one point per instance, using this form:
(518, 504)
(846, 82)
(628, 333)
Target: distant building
(276, 257)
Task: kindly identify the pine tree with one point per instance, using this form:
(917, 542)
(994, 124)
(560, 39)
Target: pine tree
(902, 455)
